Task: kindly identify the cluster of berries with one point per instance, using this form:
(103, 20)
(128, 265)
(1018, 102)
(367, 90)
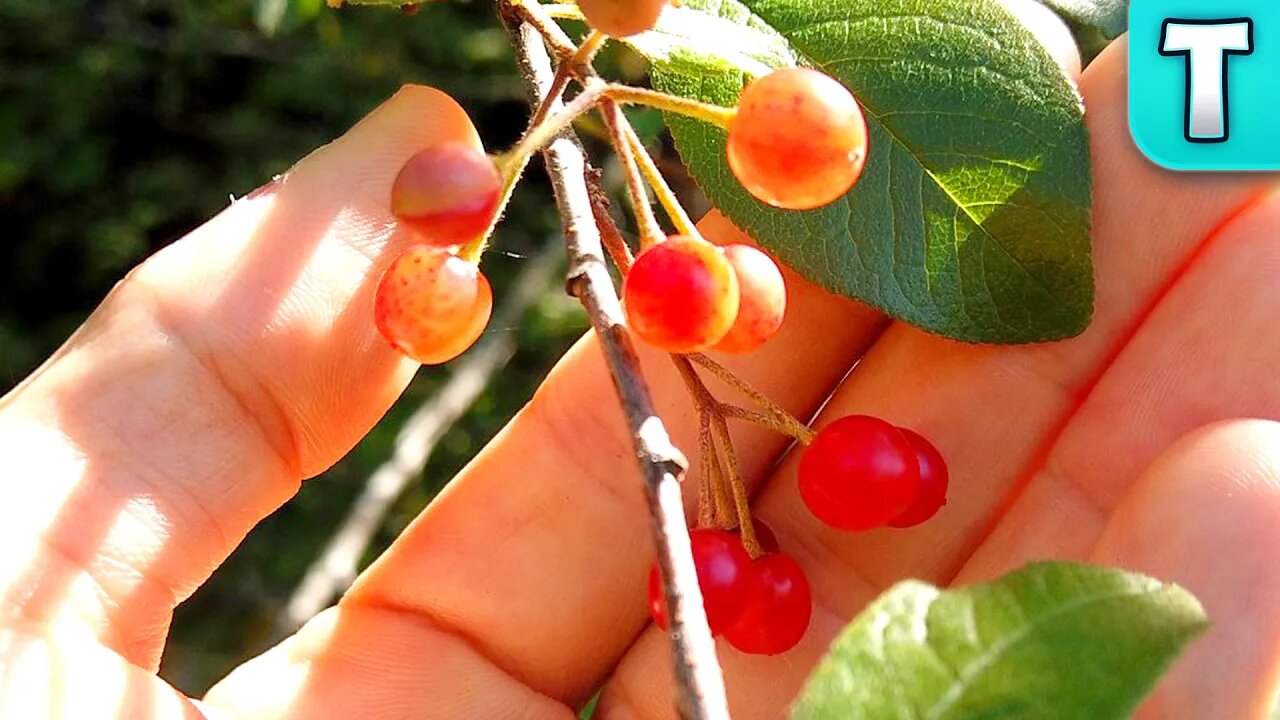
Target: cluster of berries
(433, 304)
(859, 473)
(796, 141)
(760, 606)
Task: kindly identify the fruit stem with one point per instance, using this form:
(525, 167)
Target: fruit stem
(683, 223)
(512, 172)
(586, 53)
(593, 91)
(538, 16)
(720, 513)
(741, 500)
(766, 420)
(538, 136)
(796, 429)
(713, 114)
(650, 231)
(610, 235)
(706, 446)
(562, 11)
(558, 85)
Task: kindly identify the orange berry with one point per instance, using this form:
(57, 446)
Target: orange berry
(432, 305)
(799, 139)
(681, 295)
(762, 300)
(448, 193)
(621, 18)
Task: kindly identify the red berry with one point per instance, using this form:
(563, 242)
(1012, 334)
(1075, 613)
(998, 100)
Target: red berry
(448, 193)
(799, 139)
(432, 305)
(764, 535)
(722, 566)
(859, 473)
(933, 482)
(778, 608)
(762, 300)
(681, 295)
(621, 18)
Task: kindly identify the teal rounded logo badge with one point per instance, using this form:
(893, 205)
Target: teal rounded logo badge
(1204, 83)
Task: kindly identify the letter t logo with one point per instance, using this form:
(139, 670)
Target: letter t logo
(1206, 45)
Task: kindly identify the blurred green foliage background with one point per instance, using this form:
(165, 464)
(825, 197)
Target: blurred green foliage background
(125, 123)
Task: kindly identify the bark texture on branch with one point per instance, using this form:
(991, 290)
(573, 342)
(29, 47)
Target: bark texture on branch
(700, 686)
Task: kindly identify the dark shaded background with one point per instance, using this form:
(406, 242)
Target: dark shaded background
(125, 123)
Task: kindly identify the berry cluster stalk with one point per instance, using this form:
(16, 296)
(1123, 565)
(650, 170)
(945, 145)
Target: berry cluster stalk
(700, 686)
(723, 500)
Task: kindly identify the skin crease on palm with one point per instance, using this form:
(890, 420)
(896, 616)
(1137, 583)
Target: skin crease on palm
(244, 359)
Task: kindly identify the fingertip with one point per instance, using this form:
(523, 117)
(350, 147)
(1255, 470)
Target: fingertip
(1206, 515)
(415, 116)
(717, 228)
(362, 164)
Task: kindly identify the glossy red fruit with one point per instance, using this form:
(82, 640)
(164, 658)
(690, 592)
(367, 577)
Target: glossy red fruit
(859, 473)
(681, 295)
(621, 18)
(933, 482)
(722, 566)
(799, 139)
(432, 305)
(448, 193)
(778, 608)
(764, 535)
(762, 300)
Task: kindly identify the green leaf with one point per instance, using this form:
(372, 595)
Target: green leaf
(972, 216)
(1054, 641)
(1095, 23)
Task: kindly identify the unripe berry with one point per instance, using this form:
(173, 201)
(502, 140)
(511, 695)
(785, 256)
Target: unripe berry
(448, 193)
(621, 18)
(681, 295)
(859, 473)
(722, 566)
(432, 305)
(762, 300)
(933, 482)
(778, 608)
(799, 139)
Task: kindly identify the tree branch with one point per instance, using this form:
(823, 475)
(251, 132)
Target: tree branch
(700, 686)
(335, 568)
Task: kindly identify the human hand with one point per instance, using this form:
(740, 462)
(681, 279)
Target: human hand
(243, 359)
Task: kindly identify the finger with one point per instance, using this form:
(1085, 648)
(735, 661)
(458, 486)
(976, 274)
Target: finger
(367, 662)
(1206, 353)
(537, 552)
(44, 676)
(217, 375)
(992, 411)
(1206, 515)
